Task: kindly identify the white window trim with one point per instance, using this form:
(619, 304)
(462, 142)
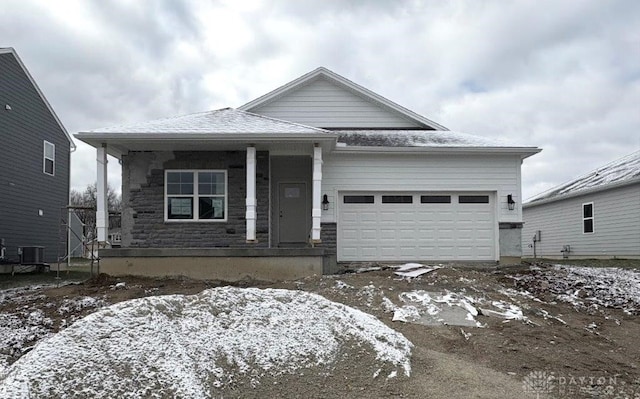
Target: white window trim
(196, 205)
(592, 218)
(44, 158)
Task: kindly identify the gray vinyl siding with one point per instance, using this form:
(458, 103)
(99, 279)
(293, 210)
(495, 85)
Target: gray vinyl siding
(323, 104)
(616, 225)
(25, 188)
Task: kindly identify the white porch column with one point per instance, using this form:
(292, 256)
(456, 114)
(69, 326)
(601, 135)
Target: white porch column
(251, 194)
(102, 212)
(316, 212)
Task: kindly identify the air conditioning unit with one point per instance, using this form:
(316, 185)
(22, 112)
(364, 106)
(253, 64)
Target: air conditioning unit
(32, 255)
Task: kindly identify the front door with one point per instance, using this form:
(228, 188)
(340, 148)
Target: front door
(292, 211)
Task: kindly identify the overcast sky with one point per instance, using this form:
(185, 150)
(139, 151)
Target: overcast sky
(560, 75)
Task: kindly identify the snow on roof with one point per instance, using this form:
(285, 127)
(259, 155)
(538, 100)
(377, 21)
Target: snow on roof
(414, 138)
(618, 171)
(199, 345)
(222, 121)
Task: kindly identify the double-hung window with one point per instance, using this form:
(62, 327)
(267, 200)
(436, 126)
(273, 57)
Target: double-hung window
(196, 195)
(49, 158)
(587, 218)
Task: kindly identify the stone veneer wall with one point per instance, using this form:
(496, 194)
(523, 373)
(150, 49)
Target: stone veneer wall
(143, 224)
(329, 237)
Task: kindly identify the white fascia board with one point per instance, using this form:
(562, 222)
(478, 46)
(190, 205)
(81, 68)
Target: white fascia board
(581, 193)
(10, 50)
(524, 152)
(84, 136)
(354, 87)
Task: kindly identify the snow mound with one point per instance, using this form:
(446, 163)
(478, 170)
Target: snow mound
(189, 346)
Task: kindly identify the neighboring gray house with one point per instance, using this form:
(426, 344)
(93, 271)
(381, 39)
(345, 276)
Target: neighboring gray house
(594, 216)
(320, 169)
(34, 163)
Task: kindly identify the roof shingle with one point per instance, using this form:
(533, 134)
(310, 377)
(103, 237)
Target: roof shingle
(618, 171)
(222, 121)
(413, 138)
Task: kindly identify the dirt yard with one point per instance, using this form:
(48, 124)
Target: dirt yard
(535, 330)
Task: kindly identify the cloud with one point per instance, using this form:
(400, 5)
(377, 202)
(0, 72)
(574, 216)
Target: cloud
(558, 75)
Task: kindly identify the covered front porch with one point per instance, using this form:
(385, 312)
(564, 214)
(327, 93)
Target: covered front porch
(220, 181)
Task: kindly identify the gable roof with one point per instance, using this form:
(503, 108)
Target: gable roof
(333, 77)
(218, 122)
(12, 51)
(620, 172)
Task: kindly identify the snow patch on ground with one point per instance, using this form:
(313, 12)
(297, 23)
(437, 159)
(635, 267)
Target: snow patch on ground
(416, 272)
(507, 311)
(21, 294)
(178, 345)
(79, 303)
(431, 308)
(20, 330)
(607, 287)
(413, 270)
(586, 288)
(408, 266)
(451, 308)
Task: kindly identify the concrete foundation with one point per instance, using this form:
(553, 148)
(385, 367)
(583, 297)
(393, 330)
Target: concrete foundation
(214, 264)
(510, 260)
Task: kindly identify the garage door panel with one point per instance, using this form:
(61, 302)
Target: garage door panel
(349, 252)
(407, 217)
(388, 252)
(369, 234)
(426, 216)
(416, 231)
(369, 252)
(406, 234)
(367, 217)
(387, 233)
(349, 216)
(445, 234)
(387, 216)
(350, 234)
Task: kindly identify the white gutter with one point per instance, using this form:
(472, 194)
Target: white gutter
(437, 150)
(123, 137)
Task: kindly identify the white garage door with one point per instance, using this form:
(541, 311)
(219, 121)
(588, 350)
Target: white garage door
(416, 226)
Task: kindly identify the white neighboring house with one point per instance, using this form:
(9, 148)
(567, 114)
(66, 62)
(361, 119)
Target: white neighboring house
(594, 216)
(318, 168)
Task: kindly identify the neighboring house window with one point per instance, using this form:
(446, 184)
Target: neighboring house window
(49, 160)
(587, 218)
(196, 195)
